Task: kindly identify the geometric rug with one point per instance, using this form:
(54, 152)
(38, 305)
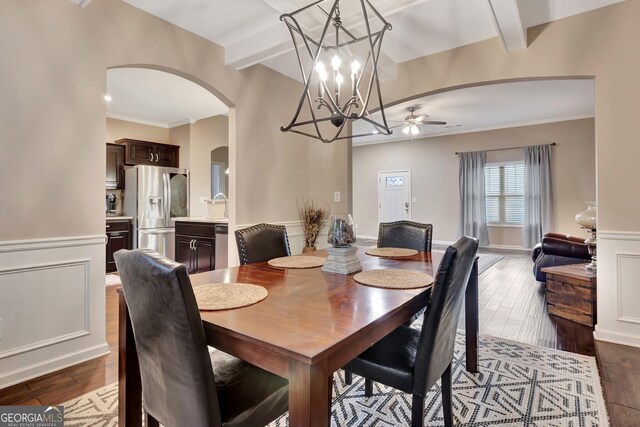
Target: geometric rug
(517, 385)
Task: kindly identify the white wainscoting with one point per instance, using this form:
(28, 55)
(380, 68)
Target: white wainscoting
(295, 234)
(619, 287)
(52, 305)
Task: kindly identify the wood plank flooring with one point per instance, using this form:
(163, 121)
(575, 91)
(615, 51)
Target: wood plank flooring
(512, 306)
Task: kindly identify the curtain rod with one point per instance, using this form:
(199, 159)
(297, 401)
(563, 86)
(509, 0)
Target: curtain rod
(553, 144)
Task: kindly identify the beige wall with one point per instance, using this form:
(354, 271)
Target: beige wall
(206, 134)
(55, 57)
(118, 129)
(181, 136)
(434, 175)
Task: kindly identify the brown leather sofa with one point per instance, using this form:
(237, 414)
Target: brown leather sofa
(558, 249)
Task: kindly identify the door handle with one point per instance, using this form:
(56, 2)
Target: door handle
(192, 245)
(151, 157)
(156, 157)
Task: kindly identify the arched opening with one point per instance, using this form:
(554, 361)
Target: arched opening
(174, 111)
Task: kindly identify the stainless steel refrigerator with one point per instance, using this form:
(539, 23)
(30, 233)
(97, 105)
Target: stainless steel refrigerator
(154, 195)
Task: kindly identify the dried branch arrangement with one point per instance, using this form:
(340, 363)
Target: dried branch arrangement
(312, 217)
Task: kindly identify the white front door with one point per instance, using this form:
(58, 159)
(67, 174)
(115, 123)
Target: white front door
(394, 196)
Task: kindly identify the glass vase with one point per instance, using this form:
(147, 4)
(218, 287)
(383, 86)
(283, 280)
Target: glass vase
(341, 234)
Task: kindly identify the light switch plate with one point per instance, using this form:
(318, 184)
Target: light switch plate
(414, 200)
(336, 196)
(0, 329)
(203, 199)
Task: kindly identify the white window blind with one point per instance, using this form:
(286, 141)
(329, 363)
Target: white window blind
(504, 191)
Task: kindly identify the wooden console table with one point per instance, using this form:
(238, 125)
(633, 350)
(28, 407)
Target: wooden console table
(571, 293)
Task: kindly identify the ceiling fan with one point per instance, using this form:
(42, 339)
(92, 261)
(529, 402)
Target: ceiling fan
(411, 124)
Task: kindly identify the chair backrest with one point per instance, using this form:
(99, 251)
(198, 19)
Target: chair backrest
(262, 242)
(437, 338)
(177, 378)
(405, 234)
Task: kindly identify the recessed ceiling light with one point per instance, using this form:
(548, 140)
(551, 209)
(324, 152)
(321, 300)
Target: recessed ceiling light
(107, 98)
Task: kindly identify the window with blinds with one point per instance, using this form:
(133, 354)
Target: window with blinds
(504, 192)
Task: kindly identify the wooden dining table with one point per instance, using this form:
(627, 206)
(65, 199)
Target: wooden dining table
(310, 325)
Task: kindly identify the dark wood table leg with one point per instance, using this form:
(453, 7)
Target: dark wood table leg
(309, 390)
(129, 384)
(472, 322)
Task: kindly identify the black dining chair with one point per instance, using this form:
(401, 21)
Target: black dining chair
(262, 242)
(405, 234)
(412, 360)
(182, 384)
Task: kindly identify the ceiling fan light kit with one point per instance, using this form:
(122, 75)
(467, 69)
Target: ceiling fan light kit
(339, 99)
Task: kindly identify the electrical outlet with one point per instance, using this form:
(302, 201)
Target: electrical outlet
(414, 200)
(336, 196)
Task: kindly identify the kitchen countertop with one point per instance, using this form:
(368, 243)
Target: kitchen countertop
(119, 218)
(202, 219)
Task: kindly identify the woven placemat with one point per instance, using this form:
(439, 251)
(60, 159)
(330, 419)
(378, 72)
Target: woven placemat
(225, 296)
(394, 279)
(298, 261)
(391, 252)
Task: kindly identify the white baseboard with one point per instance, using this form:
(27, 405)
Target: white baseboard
(616, 338)
(44, 367)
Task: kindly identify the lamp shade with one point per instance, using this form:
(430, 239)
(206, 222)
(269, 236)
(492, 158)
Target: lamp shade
(587, 218)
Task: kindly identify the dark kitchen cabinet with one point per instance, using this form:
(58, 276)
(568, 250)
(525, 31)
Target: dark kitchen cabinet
(118, 237)
(115, 167)
(196, 246)
(138, 152)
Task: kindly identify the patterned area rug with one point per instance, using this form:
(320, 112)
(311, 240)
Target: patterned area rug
(518, 385)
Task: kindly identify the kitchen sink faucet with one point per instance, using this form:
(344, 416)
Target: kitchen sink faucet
(226, 203)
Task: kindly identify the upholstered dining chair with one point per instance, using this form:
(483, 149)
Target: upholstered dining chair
(182, 384)
(405, 234)
(412, 360)
(262, 242)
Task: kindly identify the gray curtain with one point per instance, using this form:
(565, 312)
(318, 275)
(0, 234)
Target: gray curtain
(472, 220)
(538, 212)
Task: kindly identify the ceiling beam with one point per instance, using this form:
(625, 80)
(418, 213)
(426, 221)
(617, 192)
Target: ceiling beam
(506, 15)
(81, 3)
(275, 40)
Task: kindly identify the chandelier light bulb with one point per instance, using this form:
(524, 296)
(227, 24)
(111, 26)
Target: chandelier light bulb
(322, 71)
(405, 130)
(415, 130)
(335, 62)
(339, 79)
(355, 67)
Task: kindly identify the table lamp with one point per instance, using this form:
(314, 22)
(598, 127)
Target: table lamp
(587, 219)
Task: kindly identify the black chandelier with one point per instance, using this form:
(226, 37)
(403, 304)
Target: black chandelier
(333, 103)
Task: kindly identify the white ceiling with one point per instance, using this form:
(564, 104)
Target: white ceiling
(157, 98)
(490, 107)
(251, 32)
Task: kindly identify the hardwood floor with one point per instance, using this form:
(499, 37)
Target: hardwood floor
(512, 306)
(620, 371)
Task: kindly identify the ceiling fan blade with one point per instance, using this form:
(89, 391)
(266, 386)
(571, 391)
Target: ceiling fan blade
(421, 118)
(434, 122)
